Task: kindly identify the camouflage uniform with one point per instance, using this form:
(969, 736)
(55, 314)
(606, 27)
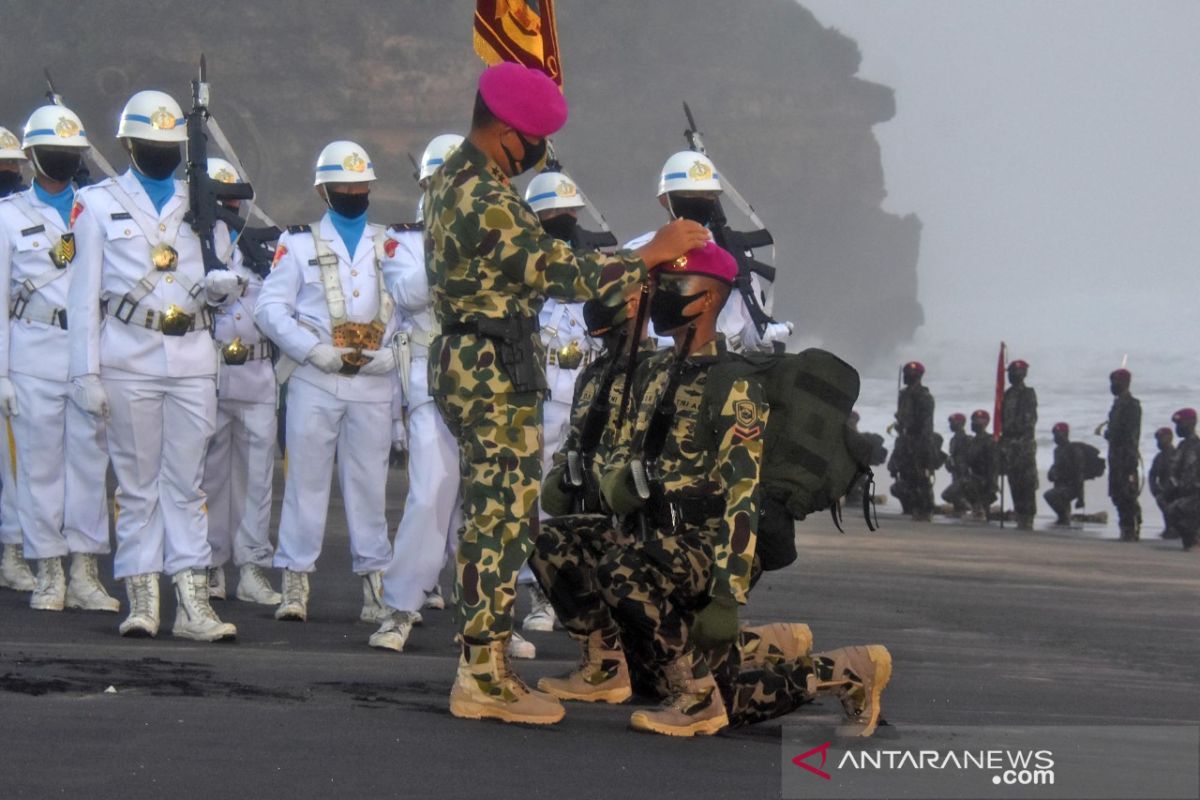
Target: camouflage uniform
(1124, 430)
(956, 465)
(1183, 509)
(489, 262)
(913, 461)
(1159, 479)
(1067, 477)
(1018, 450)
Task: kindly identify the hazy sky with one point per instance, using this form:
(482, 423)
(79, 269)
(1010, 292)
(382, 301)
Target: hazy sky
(1052, 150)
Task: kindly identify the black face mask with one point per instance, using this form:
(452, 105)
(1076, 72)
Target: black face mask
(666, 310)
(348, 205)
(1182, 431)
(697, 209)
(57, 165)
(561, 227)
(154, 159)
(10, 181)
(534, 153)
(599, 317)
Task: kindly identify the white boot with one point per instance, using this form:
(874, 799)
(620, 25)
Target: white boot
(51, 590)
(255, 587)
(14, 571)
(216, 583)
(541, 615)
(294, 604)
(143, 605)
(373, 609)
(85, 590)
(434, 599)
(394, 632)
(194, 615)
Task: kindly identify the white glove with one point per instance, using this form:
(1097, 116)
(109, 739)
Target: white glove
(8, 398)
(326, 357)
(221, 283)
(399, 435)
(777, 332)
(88, 393)
(382, 362)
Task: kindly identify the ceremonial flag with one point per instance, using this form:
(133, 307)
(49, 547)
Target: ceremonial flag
(998, 415)
(522, 31)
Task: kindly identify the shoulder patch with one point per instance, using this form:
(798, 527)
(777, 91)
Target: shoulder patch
(299, 229)
(389, 247)
(747, 422)
(280, 252)
(76, 210)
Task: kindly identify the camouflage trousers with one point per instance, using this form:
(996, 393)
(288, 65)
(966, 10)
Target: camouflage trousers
(644, 595)
(1183, 515)
(1124, 490)
(1022, 485)
(970, 494)
(500, 459)
(1060, 498)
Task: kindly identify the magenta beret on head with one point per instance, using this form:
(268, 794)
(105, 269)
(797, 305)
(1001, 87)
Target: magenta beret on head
(523, 97)
(710, 260)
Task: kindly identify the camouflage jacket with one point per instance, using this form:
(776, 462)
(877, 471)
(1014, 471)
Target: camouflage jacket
(487, 256)
(914, 413)
(956, 463)
(1019, 413)
(1124, 429)
(1185, 469)
(1159, 477)
(982, 459)
(689, 471)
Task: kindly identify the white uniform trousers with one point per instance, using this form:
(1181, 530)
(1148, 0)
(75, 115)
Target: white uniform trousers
(238, 473)
(10, 526)
(158, 432)
(318, 425)
(428, 531)
(556, 422)
(61, 468)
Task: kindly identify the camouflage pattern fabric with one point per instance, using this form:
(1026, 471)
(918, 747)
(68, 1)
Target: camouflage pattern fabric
(1183, 510)
(913, 459)
(488, 257)
(1124, 430)
(1018, 447)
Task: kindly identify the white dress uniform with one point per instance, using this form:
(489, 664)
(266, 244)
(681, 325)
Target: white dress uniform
(428, 531)
(161, 388)
(239, 469)
(60, 460)
(329, 414)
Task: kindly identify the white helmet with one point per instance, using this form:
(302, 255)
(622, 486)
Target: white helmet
(689, 171)
(10, 146)
(550, 190)
(222, 171)
(344, 162)
(57, 126)
(153, 117)
(436, 152)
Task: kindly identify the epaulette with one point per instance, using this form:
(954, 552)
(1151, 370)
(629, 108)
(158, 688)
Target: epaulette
(299, 229)
(401, 227)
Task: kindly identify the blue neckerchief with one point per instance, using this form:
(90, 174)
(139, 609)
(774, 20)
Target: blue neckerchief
(349, 228)
(159, 191)
(60, 202)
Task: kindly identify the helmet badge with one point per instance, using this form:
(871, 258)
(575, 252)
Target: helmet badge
(162, 119)
(354, 163)
(66, 128)
(699, 171)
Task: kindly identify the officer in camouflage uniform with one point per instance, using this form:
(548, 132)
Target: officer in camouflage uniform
(1159, 476)
(692, 511)
(1183, 493)
(490, 266)
(1018, 448)
(1123, 432)
(956, 465)
(913, 460)
(981, 466)
(1066, 475)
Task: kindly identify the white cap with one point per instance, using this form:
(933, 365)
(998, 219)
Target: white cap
(689, 171)
(57, 126)
(222, 171)
(436, 151)
(550, 190)
(10, 146)
(344, 162)
(153, 117)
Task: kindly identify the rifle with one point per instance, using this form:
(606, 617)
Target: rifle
(205, 208)
(581, 448)
(83, 176)
(739, 244)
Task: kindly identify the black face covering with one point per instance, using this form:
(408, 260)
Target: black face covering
(561, 227)
(348, 205)
(10, 181)
(599, 317)
(534, 153)
(697, 209)
(666, 310)
(155, 160)
(57, 165)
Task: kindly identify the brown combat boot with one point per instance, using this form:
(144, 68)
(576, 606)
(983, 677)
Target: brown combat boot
(601, 677)
(486, 688)
(695, 707)
(857, 677)
(774, 643)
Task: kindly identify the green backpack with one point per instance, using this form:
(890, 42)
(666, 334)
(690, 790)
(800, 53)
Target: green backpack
(811, 458)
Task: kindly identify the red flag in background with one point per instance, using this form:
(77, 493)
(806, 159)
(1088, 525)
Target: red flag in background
(522, 31)
(998, 414)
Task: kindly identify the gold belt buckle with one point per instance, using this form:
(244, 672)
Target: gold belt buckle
(164, 257)
(570, 356)
(235, 353)
(175, 322)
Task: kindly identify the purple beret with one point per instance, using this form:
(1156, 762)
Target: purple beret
(710, 260)
(523, 97)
